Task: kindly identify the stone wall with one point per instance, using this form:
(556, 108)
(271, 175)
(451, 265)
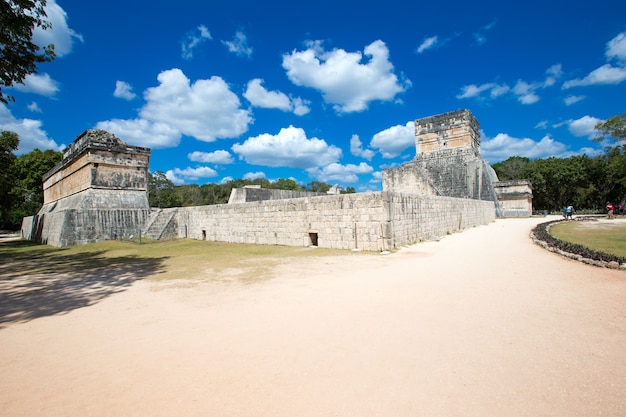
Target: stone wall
(457, 129)
(515, 198)
(452, 173)
(88, 217)
(366, 221)
(249, 194)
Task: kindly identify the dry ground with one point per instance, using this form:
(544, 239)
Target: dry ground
(481, 323)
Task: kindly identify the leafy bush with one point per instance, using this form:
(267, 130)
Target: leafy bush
(542, 233)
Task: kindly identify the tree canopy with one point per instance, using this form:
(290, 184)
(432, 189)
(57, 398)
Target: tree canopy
(19, 56)
(613, 127)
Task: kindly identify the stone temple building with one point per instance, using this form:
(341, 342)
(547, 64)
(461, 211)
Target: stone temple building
(99, 192)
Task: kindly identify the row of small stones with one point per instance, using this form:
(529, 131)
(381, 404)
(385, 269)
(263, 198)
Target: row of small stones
(576, 257)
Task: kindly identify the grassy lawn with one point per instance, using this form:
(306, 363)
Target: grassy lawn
(181, 258)
(603, 236)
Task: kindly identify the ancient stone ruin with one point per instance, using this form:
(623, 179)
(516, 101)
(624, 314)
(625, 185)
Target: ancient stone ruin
(99, 192)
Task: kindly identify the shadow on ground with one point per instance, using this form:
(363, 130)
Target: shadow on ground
(36, 281)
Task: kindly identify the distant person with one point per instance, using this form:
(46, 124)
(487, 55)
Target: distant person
(621, 208)
(569, 211)
(564, 212)
(609, 208)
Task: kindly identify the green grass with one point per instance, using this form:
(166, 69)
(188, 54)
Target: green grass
(605, 236)
(180, 258)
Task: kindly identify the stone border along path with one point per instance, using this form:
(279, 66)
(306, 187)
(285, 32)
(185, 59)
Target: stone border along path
(574, 256)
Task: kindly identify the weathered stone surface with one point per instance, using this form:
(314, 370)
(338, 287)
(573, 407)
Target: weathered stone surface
(97, 192)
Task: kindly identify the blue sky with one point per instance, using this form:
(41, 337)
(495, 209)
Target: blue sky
(326, 90)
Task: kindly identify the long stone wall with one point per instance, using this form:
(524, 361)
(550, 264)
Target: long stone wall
(366, 221)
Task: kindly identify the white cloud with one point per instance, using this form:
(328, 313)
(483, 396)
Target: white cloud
(356, 148)
(525, 92)
(34, 107)
(225, 180)
(123, 90)
(142, 132)
(40, 84)
(605, 75)
(59, 34)
(193, 39)
(616, 47)
(180, 176)
(569, 100)
(504, 146)
(342, 79)
(239, 45)
(428, 43)
(258, 96)
(29, 131)
(301, 106)
(206, 110)
(289, 148)
(253, 175)
(377, 176)
(584, 126)
(393, 141)
(219, 157)
(338, 172)
(473, 90)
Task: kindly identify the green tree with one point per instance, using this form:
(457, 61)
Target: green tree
(9, 141)
(614, 127)
(27, 191)
(318, 187)
(286, 184)
(161, 191)
(19, 56)
(511, 169)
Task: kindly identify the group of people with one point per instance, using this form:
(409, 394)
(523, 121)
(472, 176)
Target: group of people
(611, 210)
(568, 212)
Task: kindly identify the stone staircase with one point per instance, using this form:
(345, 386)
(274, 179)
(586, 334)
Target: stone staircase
(157, 223)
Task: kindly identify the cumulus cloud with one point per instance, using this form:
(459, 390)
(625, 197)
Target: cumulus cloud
(29, 130)
(607, 74)
(219, 157)
(40, 84)
(123, 90)
(616, 48)
(239, 45)
(585, 126)
(180, 176)
(338, 172)
(503, 146)
(258, 96)
(60, 35)
(289, 148)
(142, 132)
(428, 43)
(194, 39)
(34, 107)
(393, 141)
(343, 79)
(356, 149)
(253, 175)
(206, 110)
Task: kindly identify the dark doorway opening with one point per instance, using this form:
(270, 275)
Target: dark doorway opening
(313, 239)
(204, 235)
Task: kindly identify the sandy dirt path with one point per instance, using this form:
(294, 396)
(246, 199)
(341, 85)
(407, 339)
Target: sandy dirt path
(481, 323)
